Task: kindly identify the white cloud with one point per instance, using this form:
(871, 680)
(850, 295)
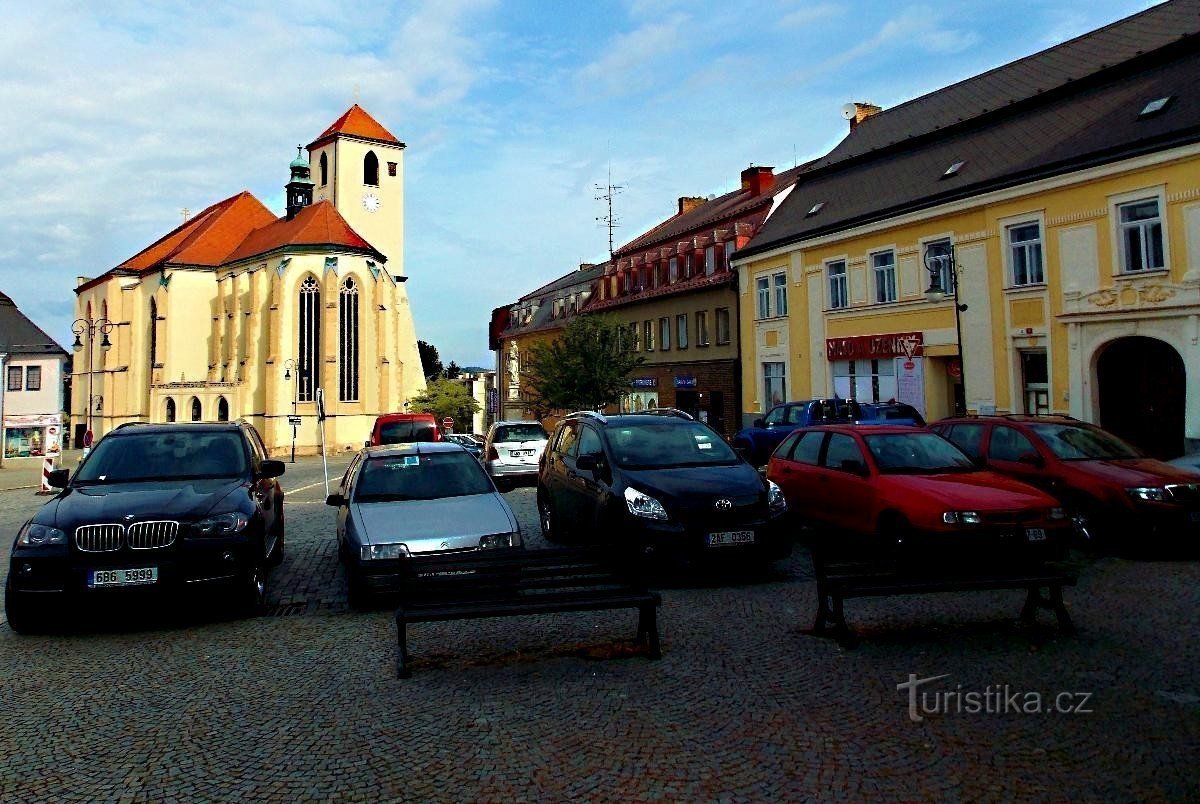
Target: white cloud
(627, 63)
(808, 14)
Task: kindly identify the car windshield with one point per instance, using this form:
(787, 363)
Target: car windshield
(917, 454)
(1071, 442)
(172, 455)
(403, 432)
(420, 477)
(519, 432)
(668, 444)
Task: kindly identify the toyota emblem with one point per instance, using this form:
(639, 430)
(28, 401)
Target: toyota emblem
(723, 504)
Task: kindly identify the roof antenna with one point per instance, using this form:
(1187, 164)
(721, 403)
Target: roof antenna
(185, 212)
(607, 193)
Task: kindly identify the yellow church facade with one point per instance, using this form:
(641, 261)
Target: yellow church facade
(238, 314)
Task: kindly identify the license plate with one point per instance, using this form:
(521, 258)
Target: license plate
(730, 537)
(123, 577)
(1035, 534)
(520, 453)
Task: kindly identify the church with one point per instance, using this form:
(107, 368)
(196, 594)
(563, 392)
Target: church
(240, 314)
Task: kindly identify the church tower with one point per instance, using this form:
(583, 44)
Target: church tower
(300, 186)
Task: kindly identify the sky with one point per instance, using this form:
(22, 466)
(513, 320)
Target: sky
(121, 114)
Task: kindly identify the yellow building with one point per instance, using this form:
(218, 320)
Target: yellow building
(239, 314)
(1054, 201)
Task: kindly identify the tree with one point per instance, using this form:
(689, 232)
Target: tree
(443, 398)
(586, 368)
(431, 362)
(453, 371)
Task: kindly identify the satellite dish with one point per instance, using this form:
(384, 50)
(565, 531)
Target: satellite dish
(849, 111)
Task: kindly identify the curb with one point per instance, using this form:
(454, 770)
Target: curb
(18, 488)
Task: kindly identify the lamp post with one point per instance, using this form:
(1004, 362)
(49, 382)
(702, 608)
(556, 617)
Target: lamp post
(89, 327)
(939, 261)
(289, 366)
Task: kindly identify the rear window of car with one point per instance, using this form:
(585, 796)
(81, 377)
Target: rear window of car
(420, 477)
(519, 432)
(404, 432)
(165, 456)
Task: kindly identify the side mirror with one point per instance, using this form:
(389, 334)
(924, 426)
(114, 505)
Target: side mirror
(336, 500)
(854, 465)
(272, 468)
(1031, 459)
(58, 478)
(587, 463)
(759, 423)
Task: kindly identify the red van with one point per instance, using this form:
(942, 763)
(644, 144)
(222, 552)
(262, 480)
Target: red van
(402, 428)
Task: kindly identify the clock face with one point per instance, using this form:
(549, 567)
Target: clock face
(370, 202)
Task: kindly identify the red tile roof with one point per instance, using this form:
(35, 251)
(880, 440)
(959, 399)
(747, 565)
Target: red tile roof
(315, 225)
(357, 123)
(207, 238)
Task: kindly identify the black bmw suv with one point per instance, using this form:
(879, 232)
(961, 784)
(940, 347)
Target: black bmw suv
(154, 507)
(660, 482)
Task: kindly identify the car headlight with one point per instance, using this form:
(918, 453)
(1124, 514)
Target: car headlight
(498, 540)
(378, 552)
(1057, 513)
(643, 505)
(775, 498)
(35, 535)
(1148, 493)
(962, 518)
(222, 524)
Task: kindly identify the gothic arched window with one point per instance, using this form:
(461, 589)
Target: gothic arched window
(309, 346)
(371, 169)
(324, 170)
(196, 409)
(222, 409)
(170, 414)
(348, 342)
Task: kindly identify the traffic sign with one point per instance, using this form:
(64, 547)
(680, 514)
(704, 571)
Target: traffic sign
(294, 421)
(447, 422)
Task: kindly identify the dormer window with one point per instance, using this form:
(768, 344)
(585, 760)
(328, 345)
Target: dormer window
(953, 169)
(1155, 106)
(817, 207)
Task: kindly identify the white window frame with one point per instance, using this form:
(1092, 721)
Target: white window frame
(664, 333)
(875, 274)
(1144, 227)
(673, 270)
(762, 293)
(648, 330)
(710, 260)
(1011, 249)
(946, 276)
(728, 328)
(702, 334)
(681, 331)
(779, 294)
(1116, 242)
(843, 286)
(769, 367)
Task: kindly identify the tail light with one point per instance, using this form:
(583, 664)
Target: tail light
(492, 454)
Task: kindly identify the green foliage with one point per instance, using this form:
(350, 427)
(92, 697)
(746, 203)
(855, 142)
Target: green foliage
(453, 371)
(443, 398)
(431, 361)
(586, 368)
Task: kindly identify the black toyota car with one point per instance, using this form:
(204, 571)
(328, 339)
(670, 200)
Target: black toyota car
(153, 508)
(660, 482)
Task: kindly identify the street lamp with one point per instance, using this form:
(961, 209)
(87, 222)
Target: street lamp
(939, 261)
(88, 327)
(289, 366)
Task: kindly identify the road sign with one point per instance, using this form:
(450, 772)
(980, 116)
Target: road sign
(294, 421)
(447, 422)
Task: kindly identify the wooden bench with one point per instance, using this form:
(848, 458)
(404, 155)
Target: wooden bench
(840, 578)
(477, 584)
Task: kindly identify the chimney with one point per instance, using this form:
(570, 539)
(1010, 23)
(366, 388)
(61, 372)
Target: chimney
(860, 112)
(688, 203)
(585, 266)
(758, 179)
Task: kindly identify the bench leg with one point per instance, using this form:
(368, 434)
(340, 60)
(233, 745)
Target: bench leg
(1033, 601)
(1051, 602)
(1060, 610)
(831, 618)
(403, 669)
(648, 629)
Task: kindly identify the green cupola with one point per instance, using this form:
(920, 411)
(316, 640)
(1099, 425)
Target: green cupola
(300, 185)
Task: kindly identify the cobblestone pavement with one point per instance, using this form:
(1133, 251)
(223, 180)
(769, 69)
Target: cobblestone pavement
(743, 706)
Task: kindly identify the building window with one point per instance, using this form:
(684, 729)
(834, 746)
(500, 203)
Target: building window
(839, 296)
(722, 326)
(702, 328)
(324, 170)
(774, 381)
(730, 246)
(371, 169)
(15, 375)
(681, 331)
(687, 266)
(1035, 381)
(710, 260)
(1025, 249)
(635, 337)
(348, 342)
(780, 281)
(170, 412)
(884, 265)
(309, 346)
(673, 269)
(648, 329)
(222, 409)
(664, 333)
(940, 250)
(763, 287)
(1141, 236)
(196, 411)
(865, 380)
(33, 378)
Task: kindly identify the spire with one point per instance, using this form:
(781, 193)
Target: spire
(300, 186)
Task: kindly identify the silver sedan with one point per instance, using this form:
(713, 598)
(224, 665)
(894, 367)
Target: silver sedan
(401, 500)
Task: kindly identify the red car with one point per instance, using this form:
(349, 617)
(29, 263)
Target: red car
(1114, 494)
(908, 492)
(402, 428)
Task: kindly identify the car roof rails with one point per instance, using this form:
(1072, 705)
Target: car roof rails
(129, 424)
(676, 412)
(590, 414)
(1016, 416)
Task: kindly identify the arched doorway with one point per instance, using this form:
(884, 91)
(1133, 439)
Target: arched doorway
(1141, 394)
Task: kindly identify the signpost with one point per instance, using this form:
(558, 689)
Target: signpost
(321, 423)
(448, 424)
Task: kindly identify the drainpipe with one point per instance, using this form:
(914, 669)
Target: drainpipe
(3, 390)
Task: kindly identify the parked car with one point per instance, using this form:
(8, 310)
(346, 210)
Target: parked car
(513, 449)
(152, 508)
(889, 413)
(1190, 463)
(403, 428)
(909, 494)
(467, 442)
(1114, 494)
(405, 500)
(657, 482)
(756, 443)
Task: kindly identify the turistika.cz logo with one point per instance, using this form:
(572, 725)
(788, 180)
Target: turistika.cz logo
(994, 699)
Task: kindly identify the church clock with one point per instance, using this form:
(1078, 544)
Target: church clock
(370, 202)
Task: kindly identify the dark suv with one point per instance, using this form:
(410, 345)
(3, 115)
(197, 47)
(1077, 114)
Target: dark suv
(660, 483)
(1113, 492)
(154, 507)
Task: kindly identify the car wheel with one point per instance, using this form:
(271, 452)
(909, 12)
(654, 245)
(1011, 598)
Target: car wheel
(548, 520)
(254, 591)
(16, 611)
(276, 556)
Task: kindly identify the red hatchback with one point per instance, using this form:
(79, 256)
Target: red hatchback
(1113, 492)
(911, 493)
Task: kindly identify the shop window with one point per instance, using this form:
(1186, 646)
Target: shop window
(774, 384)
(865, 380)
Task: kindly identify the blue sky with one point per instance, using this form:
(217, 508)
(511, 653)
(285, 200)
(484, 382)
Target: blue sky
(119, 114)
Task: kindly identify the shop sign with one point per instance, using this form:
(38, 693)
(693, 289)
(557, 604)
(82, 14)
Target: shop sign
(873, 347)
(685, 381)
(644, 382)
